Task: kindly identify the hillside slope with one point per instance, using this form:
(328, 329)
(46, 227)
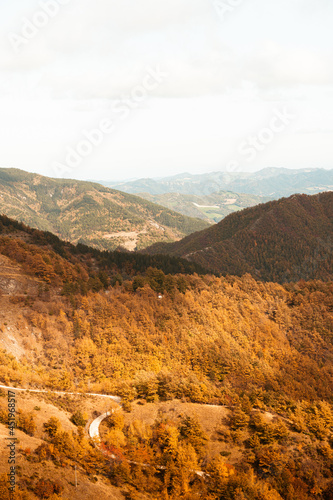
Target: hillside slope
(284, 240)
(89, 213)
(74, 269)
(172, 343)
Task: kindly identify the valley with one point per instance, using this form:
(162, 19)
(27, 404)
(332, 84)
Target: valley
(166, 250)
(166, 238)
(211, 208)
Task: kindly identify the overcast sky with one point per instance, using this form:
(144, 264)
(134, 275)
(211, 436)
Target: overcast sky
(116, 89)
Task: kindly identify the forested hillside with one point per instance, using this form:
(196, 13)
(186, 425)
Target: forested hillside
(80, 211)
(262, 350)
(78, 268)
(284, 240)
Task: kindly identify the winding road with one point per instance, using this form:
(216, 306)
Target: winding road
(94, 426)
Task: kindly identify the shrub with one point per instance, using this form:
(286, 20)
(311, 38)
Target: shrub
(78, 419)
(239, 419)
(46, 488)
(116, 420)
(52, 426)
(26, 423)
(192, 431)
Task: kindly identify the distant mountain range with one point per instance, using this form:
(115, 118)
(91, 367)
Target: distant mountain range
(284, 240)
(272, 182)
(89, 213)
(212, 207)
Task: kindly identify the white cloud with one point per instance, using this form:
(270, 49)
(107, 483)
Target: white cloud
(222, 74)
(100, 50)
(278, 66)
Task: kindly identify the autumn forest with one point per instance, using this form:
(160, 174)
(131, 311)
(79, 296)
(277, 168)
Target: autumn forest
(177, 343)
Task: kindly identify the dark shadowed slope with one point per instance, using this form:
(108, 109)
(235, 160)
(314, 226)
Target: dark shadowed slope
(282, 240)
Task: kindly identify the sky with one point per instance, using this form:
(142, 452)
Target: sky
(120, 89)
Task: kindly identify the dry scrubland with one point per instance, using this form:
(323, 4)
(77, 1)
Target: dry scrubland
(60, 472)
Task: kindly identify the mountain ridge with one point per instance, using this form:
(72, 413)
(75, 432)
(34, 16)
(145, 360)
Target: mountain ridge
(89, 213)
(284, 240)
(271, 181)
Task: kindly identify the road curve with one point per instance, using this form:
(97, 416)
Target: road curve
(94, 426)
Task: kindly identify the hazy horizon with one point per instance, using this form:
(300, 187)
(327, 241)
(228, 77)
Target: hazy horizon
(157, 178)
